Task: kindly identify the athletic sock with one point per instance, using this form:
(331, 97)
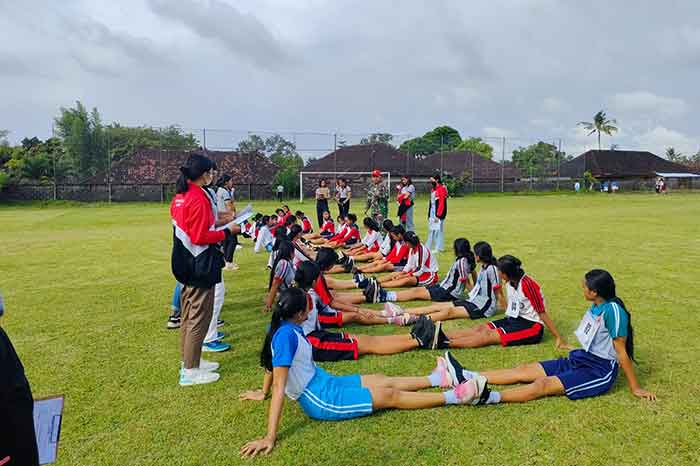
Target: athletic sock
(450, 397)
(435, 378)
(494, 397)
(469, 374)
(391, 295)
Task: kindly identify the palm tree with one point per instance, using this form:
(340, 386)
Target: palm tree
(600, 124)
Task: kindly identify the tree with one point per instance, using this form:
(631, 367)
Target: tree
(253, 143)
(540, 159)
(674, 156)
(599, 125)
(477, 146)
(441, 138)
(124, 141)
(378, 138)
(83, 139)
(282, 153)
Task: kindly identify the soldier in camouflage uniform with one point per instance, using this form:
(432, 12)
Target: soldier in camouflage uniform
(377, 198)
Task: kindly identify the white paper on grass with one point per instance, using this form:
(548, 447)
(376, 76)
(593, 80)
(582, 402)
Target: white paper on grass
(48, 413)
(242, 217)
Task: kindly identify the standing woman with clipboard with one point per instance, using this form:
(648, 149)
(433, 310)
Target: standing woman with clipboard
(196, 263)
(17, 437)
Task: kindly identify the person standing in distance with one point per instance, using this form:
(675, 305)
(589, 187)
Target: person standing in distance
(196, 263)
(322, 195)
(344, 194)
(377, 198)
(17, 437)
(406, 194)
(280, 192)
(437, 212)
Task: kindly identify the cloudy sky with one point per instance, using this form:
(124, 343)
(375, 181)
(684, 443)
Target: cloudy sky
(525, 69)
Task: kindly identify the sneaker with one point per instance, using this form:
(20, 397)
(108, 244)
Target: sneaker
(446, 380)
(392, 309)
(220, 323)
(342, 258)
(231, 266)
(215, 347)
(409, 319)
(396, 320)
(369, 291)
(375, 290)
(381, 294)
(220, 335)
(482, 389)
(440, 340)
(204, 365)
(173, 322)
(349, 265)
(197, 377)
(360, 280)
(467, 391)
(455, 368)
(424, 332)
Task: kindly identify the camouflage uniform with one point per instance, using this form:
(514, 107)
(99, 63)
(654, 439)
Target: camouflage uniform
(377, 201)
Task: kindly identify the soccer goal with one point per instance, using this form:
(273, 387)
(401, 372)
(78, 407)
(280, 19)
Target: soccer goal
(335, 175)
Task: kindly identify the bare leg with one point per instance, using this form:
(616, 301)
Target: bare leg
(350, 298)
(409, 384)
(544, 386)
(340, 284)
(390, 344)
(376, 267)
(481, 336)
(520, 374)
(449, 314)
(424, 310)
(357, 318)
(418, 293)
(391, 276)
(406, 280)
(383, 398)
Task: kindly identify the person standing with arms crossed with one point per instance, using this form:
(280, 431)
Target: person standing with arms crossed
(322, 195)
(377, 198)
(344, 194)
(437, 212)
(196, 263)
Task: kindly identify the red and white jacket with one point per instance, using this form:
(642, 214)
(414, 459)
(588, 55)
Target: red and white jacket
(399, 253)
(306, 226)
(328, 227)
(196, 261)
(420, 261)
(371, 240)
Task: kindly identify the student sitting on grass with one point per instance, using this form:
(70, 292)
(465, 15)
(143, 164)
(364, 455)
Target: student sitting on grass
(395, 259)
(523, 324)
(281, 273)
(346, 237)
(301, 252)
(290, 370)
(370, 242)
(384, 249)
(327, 230)
(306, 226)
(606, 337)
(483, 299)
(451, 288)
(265, 235)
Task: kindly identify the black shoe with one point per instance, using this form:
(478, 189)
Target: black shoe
(369, 291)
(454, 367)
(173, 322)
(424, 332)
(342, 258)
(220, 323)
(349, 265)
(440, 340)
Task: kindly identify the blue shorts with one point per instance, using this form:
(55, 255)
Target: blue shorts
(335, 398)
(583, 374)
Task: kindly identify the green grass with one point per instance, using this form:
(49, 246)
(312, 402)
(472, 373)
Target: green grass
(88, 290)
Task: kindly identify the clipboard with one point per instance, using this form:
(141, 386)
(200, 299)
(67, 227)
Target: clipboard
(48, 414)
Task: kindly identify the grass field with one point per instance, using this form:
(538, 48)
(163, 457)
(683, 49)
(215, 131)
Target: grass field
(88, 288)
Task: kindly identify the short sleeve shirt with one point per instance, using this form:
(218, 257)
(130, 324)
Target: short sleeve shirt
(284, 271)
(291, 349)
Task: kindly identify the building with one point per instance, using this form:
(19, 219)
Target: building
(630, 169)
(354, 163)
(484, 173)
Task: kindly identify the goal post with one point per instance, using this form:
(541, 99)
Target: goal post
(336, 175)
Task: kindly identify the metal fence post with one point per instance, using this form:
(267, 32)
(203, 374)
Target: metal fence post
(109, 169)
(503, 164)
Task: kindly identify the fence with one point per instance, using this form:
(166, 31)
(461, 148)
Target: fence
(130, 174)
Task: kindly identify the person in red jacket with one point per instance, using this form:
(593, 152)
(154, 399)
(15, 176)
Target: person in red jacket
(437, 212)
(196, 263)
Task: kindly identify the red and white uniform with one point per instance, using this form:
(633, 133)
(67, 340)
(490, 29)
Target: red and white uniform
(306, 226)
(328, 227)
(399, 253)
(347, 234)
(341, 232)
(385, 246)
(299, 255)
(526, 301)
(371, 241)
(422, 265)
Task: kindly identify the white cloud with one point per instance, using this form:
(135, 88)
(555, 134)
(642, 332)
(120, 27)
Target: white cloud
(659, 138)
(494, 132)
(553, 105)
(648, 103)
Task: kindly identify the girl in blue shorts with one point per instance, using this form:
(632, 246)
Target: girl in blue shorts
(605, 334)
(291, 371)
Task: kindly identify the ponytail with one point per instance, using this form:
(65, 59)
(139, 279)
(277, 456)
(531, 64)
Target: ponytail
(603, 284)
(285, 251)
(306, 273)
(195, 166)
(463, 250)
(181, 185)
(483, 251)
(291, 302)
(510, 266)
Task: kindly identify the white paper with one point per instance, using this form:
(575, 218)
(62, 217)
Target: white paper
(242, 217)
(47, 426)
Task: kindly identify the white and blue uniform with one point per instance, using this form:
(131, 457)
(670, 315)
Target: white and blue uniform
(592, 370)
(322, 396)
(482, 297)
(284, 272)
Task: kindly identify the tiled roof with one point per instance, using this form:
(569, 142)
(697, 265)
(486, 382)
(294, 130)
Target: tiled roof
(620, 164)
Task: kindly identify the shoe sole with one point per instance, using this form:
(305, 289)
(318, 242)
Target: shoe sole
(436, 335)
(189, 383)
(481, 383)
(172, 327)
(451, 368)
(215, 351)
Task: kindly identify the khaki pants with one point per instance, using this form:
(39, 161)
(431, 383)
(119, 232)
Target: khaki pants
(197, 306)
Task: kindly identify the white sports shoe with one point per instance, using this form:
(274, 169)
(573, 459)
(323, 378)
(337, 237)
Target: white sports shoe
(197, 377)
(392, 309)
(206, 366)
